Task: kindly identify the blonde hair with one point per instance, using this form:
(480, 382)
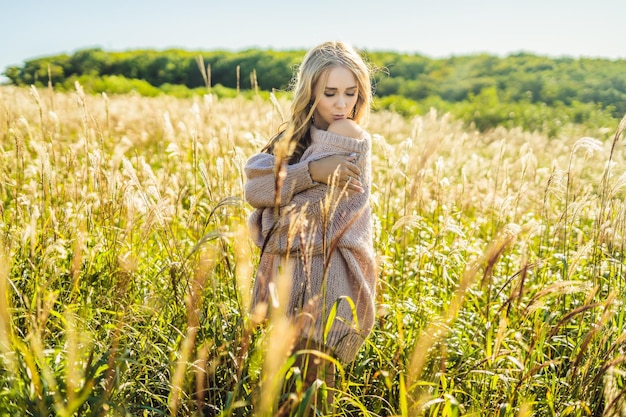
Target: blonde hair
(293, 140)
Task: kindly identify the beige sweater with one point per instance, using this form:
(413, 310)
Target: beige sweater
(324, 235)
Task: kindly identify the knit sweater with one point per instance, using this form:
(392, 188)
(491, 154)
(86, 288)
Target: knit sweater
(324, 235)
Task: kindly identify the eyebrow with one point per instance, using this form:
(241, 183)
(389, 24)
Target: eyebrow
(335, 88)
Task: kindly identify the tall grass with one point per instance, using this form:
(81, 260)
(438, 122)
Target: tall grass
(126, 268)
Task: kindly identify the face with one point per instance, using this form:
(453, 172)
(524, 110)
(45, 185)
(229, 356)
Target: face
(337, 98)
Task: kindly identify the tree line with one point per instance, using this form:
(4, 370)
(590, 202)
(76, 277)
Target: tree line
(522, 89)
(176, 67)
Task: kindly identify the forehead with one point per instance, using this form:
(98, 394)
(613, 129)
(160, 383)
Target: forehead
(339, 77)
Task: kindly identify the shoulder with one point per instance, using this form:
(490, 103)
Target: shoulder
(346, 127)
(260, 160)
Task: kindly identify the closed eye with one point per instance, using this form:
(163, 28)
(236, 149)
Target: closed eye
(332, 93)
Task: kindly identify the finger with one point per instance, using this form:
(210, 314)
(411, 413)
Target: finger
(348, 168)
(354, 183)
(353, 171)
(355, 188)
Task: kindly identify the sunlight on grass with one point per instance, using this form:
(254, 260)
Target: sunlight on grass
(126, 267)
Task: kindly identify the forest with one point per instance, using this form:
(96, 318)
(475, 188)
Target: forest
(536, 93)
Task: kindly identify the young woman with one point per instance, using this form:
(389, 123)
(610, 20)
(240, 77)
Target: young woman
(310, 189)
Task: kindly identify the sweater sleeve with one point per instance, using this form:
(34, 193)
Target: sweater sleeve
(261, 183)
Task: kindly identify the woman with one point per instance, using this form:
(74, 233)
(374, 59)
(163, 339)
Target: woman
(310, 188)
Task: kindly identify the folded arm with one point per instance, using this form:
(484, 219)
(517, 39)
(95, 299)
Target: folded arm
(261, 181)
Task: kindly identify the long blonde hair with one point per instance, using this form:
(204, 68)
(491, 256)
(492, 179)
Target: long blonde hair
(291, 142)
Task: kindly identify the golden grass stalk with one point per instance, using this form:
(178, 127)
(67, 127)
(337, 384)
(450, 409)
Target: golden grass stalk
(6, 331)
(277, 106)
(614, 395)
(205, 71)
(193, 301)
(78, 386)
(280, 338)
(244, 268)
(601, 220)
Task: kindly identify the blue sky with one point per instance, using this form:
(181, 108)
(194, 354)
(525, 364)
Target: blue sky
(436, 28)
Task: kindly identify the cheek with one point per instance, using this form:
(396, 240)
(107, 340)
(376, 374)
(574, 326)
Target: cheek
(323, 105)
(350, 101)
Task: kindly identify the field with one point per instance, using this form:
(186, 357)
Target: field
(126, 268)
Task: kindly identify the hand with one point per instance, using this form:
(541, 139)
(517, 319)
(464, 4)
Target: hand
(337, 170)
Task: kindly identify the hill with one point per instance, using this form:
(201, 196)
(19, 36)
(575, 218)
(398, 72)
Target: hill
(536, 93)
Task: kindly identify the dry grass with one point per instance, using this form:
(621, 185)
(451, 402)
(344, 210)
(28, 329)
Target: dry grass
(128, 268)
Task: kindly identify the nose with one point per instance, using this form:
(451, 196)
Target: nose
(341, 101)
